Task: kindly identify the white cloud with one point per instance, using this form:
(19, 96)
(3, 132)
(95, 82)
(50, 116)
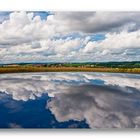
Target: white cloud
(116, 41)
(26, 38)
(116, 46)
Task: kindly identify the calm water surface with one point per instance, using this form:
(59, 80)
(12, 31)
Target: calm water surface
(69, 100)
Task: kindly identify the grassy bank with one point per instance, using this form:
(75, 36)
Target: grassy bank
(21, 69)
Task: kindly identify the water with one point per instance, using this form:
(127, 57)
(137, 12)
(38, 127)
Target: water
(69, 100)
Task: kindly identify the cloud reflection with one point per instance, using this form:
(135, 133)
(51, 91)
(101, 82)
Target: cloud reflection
(101, 106)
(104, 100)
(29, 86)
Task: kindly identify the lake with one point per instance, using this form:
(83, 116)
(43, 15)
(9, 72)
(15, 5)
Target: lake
(69, 100)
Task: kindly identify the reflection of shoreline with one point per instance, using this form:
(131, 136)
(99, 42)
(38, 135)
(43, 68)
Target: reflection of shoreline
(67, 69)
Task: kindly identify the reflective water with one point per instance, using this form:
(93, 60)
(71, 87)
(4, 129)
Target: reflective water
(69, 100)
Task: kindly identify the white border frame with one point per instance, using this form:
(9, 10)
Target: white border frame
(69, 5)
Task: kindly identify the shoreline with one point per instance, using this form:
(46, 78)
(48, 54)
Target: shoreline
(4, 70)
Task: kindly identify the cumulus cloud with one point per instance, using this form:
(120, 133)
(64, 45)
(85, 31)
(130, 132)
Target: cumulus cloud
(116, 46)
(68, 36)
(92, 22)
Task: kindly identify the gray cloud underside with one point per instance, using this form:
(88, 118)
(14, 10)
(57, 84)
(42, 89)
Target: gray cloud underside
(95, 22)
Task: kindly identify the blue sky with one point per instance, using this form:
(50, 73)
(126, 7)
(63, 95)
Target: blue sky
(4, 16)
(43, 15)
(69, 36)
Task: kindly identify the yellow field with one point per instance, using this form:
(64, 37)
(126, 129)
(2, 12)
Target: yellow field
(65, 69)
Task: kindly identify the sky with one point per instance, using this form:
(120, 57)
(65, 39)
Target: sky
(47, 36)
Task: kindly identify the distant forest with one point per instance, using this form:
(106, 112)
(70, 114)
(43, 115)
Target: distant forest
(105, 64)
(134, 64)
